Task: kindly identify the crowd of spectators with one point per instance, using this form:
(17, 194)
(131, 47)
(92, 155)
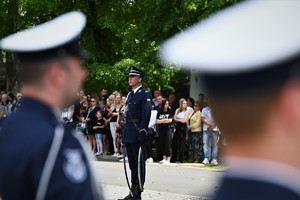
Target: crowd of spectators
(184, 130)
(9, 104)
(179, 129)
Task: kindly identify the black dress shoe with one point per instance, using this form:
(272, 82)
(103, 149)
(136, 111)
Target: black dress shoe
(128, 197)
(137, 193)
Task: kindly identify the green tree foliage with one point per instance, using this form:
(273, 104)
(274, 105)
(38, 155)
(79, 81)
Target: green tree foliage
(132, 31)
(119, 34)
(9, 18)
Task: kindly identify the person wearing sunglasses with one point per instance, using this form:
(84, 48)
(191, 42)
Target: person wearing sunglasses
(90, 119)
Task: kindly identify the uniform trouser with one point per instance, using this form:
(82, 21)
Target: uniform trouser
(150, 138)
(113, 130)
(132, 150)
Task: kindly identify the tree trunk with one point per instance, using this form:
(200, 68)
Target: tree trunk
(11, 25)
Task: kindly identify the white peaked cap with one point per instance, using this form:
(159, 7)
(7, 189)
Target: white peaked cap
(245, 37)
(48, 35)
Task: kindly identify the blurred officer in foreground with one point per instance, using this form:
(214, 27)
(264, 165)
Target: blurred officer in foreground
(40, 159)
(137, 114)
(249, 59)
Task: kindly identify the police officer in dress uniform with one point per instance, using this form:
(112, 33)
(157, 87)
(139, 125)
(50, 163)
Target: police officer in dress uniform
(248, 57)
(40, 158)
(137, 115)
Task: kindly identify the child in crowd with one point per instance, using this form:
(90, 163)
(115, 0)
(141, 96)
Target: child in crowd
(99, 131)
(80, 129)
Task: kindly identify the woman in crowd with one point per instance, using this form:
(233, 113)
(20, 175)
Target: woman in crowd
(121, 122)
(110, 100)
(115, 107)
(16, 103)
(195, 136)
(151, 134)
(124, 100)
(5, 107)
(181, 118)
(107, 114)
(84, 106)
(165, 131)
(90, 119)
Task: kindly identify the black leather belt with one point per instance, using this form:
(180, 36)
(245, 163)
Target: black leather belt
(132, 120)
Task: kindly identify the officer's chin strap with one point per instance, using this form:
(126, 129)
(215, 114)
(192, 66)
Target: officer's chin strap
(49, 164)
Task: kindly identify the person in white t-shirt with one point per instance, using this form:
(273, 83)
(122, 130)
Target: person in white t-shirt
(151, 134)
(181, 118)
(210, 136)
(67, 116)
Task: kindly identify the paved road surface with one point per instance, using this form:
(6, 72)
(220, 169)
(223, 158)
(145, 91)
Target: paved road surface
(175, 182)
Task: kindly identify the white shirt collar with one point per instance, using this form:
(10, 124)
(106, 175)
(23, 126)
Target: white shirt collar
(266, 171)
(136, 89)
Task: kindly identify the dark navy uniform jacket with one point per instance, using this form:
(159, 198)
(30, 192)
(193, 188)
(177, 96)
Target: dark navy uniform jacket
(139, 110)
(25, 139)
(244, 189)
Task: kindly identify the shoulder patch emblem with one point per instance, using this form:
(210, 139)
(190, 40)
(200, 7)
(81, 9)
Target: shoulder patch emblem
(74, 167)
